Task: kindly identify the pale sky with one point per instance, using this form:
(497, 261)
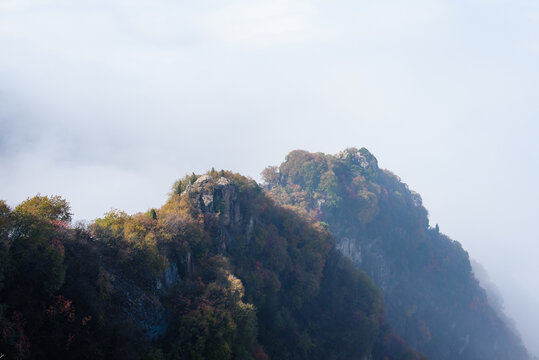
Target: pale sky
(108, 102)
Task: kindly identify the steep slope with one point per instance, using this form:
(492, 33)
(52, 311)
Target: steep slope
(432, 298)
(219, 272)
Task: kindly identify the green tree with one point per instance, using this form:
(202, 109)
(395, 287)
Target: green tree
(46, 207)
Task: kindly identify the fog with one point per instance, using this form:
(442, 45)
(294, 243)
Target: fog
(108, 102)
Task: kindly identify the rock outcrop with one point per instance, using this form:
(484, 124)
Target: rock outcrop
(210, 195)
(362, 158)
(141, 306)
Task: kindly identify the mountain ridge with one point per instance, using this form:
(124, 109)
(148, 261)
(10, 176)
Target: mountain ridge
(218, 272)
(382, 226)
(331, 258)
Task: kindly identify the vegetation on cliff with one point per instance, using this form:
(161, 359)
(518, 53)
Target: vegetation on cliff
(432, 298)
(332, 258)
(218, 272)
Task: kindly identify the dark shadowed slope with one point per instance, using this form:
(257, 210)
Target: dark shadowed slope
(219, 272)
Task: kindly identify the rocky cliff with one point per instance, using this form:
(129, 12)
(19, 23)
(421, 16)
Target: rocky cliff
(433, 301)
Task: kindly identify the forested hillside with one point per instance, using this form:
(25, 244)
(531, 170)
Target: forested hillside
(218, 272)
(331, 258)
(432, 298)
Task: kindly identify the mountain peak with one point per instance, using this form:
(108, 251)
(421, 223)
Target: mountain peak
(362, 158)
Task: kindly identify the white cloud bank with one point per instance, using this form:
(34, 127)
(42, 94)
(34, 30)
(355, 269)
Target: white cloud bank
(107, 102)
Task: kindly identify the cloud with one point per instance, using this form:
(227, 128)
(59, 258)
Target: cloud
(395, 19)
(110, 100)
(262, 24)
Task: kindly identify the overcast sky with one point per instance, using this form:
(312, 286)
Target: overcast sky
(108, 102)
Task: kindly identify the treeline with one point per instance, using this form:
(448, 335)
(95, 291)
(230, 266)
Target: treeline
(218, 272)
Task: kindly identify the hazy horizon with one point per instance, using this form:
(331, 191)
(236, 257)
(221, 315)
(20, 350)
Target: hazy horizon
(106, 103)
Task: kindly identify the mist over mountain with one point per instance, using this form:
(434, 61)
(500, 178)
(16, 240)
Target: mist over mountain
(331, 258)
(494, 297)
(102, 100)
(432, 297)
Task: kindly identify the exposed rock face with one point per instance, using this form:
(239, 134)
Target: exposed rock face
(216, 196)
(378, 266)
(351, 249)
(361, 157)
(144, 308)
(367, 255)
(171, 276)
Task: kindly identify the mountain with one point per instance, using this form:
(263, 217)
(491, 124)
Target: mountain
(331, 258)
(433, 301)
(218, 272)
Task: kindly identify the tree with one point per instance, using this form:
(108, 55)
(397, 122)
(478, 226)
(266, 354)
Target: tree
(271, 175)
(46, 207)
(5, 227)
